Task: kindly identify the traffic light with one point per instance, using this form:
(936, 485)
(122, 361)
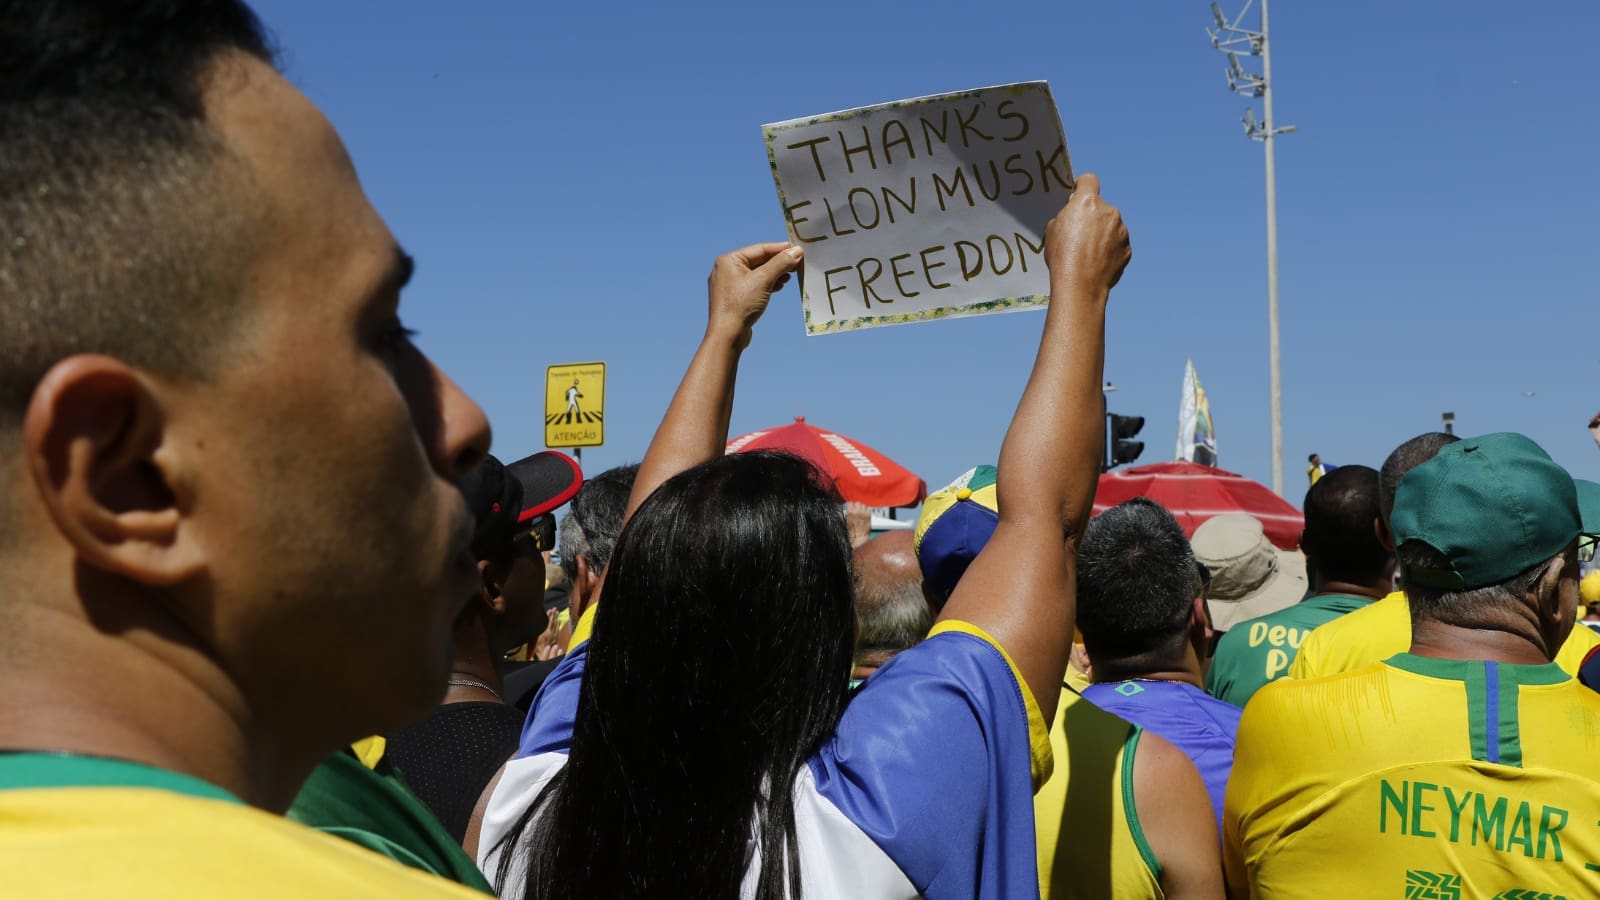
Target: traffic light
(1120, 448)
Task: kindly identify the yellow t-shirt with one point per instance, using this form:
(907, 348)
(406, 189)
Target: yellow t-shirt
(74, 827)
(1417, 778)
(1090, 842)
(1381, 630)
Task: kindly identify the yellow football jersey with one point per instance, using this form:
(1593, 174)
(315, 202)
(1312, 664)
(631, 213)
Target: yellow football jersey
(85, 827)
(1381, 630)
(1417, 778)
(1090, 842)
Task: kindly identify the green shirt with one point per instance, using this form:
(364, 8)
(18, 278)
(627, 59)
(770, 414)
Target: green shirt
(1259, 651)
(375, 808)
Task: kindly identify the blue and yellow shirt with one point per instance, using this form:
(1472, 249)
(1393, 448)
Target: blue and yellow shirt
(1200, 725)
(925, 789)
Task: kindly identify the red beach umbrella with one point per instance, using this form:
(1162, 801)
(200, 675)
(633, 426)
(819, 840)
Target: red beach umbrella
(859, 472)
(1194, 493)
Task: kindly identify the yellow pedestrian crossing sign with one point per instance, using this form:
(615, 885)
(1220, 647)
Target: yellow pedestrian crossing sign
(574, 405)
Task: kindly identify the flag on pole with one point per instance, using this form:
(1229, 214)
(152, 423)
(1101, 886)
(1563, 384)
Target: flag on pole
(1197, 442)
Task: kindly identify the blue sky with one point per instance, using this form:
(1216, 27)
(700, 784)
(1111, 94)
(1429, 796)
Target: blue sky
(565, 174)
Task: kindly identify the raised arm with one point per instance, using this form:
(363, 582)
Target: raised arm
(1021, 588)
(695, 427)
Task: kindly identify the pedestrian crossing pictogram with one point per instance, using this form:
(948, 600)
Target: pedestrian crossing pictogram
(569, 417)
(574, 405)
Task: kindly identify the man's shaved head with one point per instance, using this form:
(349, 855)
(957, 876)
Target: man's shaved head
(890, 607)
(1339, 538)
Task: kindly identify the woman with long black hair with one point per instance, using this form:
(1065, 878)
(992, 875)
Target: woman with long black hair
(699, 739)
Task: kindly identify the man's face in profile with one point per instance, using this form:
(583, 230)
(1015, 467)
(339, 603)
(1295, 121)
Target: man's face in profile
(335, 534)
(523, 579)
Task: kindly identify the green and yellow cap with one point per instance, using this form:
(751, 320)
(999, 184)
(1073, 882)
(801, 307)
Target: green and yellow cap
(955, 524)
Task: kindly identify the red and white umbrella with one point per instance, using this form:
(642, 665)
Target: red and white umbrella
(1194, 493)
(859, 472)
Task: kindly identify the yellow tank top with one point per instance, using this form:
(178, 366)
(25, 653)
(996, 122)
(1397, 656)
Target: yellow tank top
(1090, 843)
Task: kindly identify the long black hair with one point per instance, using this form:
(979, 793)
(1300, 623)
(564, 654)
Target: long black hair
(718, 665)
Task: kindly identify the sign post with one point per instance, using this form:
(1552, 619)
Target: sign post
(574, 405)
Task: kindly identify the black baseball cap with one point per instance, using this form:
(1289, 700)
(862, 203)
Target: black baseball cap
(504, 500)
(548, 479)
(494, 499)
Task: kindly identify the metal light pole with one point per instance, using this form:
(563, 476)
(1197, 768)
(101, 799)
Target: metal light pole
(1230, 38)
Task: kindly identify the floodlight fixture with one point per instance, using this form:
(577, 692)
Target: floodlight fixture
(1232, 38)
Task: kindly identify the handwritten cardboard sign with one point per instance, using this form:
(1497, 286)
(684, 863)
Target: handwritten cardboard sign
(923, 208)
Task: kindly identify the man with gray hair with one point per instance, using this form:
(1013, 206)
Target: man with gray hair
(891, 612)
(1462, 767)
(1382, 629)
(589, 532)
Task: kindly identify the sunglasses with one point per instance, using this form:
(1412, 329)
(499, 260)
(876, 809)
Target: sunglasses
(537, 536)
(1586, 545)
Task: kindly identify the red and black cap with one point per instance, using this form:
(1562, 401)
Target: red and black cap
(494, 498)
(548, 479)
(506, 501)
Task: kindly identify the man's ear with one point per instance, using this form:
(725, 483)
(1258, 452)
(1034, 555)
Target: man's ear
(582, 590)
(1555, 599)
(97, 446)
(489, 593)
(1381, 529)
(1200, 631)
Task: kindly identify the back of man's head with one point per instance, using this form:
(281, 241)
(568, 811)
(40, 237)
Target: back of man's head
(591, 526)
(1137, 582)
(1406, 457)
(194, 287)
(119, 234)
(124, 225)
(891, 612)
(1339, 538)
(1479, 527)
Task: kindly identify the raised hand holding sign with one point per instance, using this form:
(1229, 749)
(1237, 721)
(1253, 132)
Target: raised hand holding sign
(923, 208)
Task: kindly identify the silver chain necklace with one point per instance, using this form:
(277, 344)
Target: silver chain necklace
(473, 682)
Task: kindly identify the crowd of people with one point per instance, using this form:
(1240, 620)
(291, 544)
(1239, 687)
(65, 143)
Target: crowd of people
(277, 624)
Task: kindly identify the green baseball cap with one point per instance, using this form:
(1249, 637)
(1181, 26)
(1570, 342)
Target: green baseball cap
(1494, 506)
